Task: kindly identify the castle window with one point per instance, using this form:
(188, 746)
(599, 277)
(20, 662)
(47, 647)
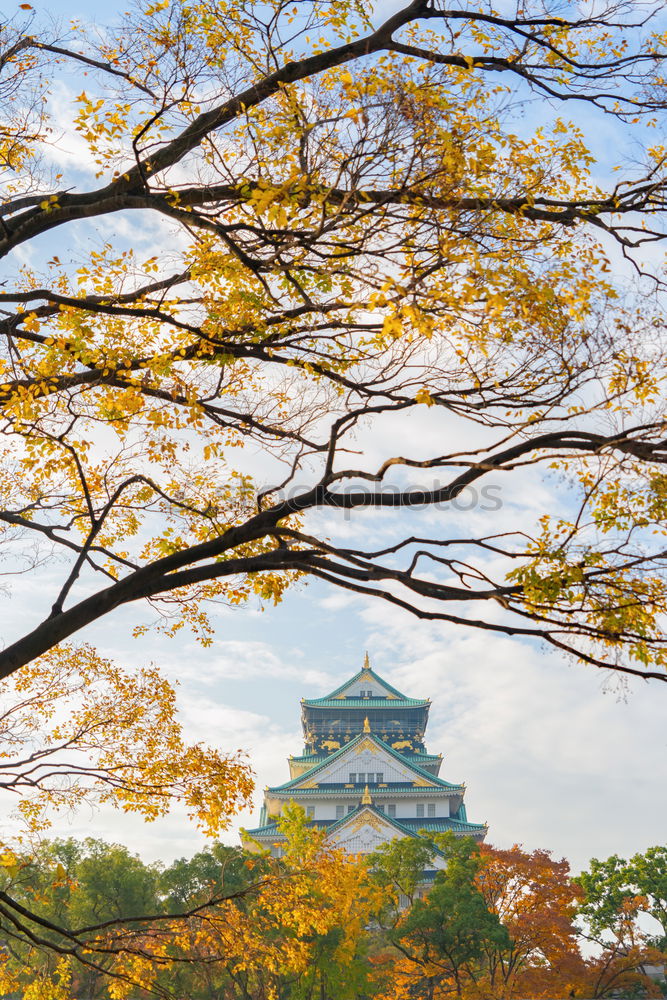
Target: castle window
(340, 812)
(420, 810)
(310, 812)
(431, 808)
(353, 778)
(350, 809)
(379, 777)
(362, 777)
(391, 809)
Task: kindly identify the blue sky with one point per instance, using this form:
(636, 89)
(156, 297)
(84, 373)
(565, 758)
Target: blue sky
(553, 754)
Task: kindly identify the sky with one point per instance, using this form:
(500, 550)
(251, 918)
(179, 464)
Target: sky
(554, 754)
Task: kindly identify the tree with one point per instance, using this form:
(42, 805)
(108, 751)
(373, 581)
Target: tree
(206, 873)
(443, 936)
(304, 936)
(75, 730)
(615, 894)
(609, 885)
(536, 900)
(400, 865)
(351, 225)
(226, 923)
(96, 882)
(500, 923)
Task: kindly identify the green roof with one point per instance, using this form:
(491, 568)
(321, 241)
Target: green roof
(442, 824)
(357, 676)
(390, 790)
(308, 776)
(430, 826)
(365, 703)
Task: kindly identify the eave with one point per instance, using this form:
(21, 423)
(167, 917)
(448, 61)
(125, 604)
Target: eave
(406, 827)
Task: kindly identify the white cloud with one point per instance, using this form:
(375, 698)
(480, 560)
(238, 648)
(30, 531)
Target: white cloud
(553, 755)
(248, 659)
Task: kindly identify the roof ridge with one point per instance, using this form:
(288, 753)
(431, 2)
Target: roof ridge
(365, 670)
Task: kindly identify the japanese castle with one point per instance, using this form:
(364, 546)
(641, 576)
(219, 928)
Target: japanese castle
(365, 774)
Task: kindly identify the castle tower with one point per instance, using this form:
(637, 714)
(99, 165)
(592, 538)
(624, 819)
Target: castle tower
(365, 774)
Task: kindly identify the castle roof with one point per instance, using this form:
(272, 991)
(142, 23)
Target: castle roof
(426, 778)
(404, 827)
(367, 675)
(365, 703)
(414, 756)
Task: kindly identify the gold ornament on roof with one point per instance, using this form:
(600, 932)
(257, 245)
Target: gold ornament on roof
(367, 725)
(366, 799)
(366, 819)
(367, 662)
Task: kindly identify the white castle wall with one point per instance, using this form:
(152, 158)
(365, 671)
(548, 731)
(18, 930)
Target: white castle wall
(405, 808)
(362, 764)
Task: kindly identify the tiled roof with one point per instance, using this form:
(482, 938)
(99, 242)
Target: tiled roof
(410, 827)
(389, 788)
(308, 776)
(413, 756)
(368, 671)
(365, 703)
(441, 824)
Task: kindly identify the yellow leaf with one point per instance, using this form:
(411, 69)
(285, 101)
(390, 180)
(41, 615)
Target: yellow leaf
(424, 396)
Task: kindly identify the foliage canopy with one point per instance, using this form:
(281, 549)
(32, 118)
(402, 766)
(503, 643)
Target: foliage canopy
(309, 224)
(91, 919)
(501, 923)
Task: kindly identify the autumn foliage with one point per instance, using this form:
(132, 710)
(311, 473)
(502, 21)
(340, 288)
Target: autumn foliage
(91, 919)
(282, 231)
(504, 924)
(335, 223)
(76, 731)
(226, 924)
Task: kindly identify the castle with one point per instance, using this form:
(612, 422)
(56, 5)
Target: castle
(365, 775)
